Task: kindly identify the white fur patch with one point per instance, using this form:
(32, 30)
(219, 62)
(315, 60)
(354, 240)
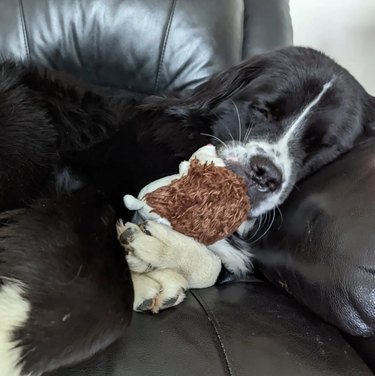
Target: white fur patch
(14, 311)
(245, 227)
(233, 259)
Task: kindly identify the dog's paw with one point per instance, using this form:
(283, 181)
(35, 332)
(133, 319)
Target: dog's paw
(146, 291)
(147, 246)
(142, 250)
(153, 246)
(126, 232)
(158, 290)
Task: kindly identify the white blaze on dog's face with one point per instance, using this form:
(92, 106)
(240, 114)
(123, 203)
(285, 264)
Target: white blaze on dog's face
(268, 164)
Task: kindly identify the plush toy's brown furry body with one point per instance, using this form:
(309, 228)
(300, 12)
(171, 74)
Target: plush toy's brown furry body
(208, 204)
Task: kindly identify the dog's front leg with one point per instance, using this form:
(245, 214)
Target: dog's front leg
(153, 246)
(165, 264)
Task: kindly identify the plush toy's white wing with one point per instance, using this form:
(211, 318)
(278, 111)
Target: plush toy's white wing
(133, 203)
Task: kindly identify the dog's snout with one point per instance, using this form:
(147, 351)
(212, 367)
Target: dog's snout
(264, 174)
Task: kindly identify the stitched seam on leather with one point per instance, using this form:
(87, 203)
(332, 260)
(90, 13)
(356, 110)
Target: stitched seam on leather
(24, 30)
(165, 41)
(216, 326)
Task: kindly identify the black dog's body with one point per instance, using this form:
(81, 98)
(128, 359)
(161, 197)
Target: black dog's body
(62, 142)
(58, 135)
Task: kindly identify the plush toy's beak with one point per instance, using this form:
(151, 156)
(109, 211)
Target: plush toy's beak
(133, 203)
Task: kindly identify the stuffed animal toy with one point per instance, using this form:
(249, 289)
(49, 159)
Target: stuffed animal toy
(205, 201)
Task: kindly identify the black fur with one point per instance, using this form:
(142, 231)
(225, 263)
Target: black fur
(58, 134)
(65, 252)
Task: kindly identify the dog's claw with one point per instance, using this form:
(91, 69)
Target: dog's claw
(146, 305)
(170, 302)
(127, 236)
(143, 227)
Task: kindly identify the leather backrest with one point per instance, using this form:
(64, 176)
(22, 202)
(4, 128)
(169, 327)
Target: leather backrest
(146, 46)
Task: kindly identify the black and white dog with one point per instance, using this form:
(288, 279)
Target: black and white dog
(68, 153)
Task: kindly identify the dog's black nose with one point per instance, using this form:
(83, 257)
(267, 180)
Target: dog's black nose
(264, 174)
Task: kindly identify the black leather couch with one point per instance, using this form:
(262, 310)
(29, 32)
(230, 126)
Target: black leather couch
(248, 328)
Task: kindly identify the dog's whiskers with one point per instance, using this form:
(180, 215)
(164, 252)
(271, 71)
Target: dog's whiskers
(259, 227)
(239, 121)
(269, 226)
(216, 138)
(248, 132)
(281, 215)
(230, 134)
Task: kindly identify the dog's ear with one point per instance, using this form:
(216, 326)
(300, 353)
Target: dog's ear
(222, 86)
(206, 96)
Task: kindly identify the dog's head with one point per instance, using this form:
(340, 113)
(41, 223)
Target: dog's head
(281, 116)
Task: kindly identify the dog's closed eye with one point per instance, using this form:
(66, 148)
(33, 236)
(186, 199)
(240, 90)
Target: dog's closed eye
(261, 110)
